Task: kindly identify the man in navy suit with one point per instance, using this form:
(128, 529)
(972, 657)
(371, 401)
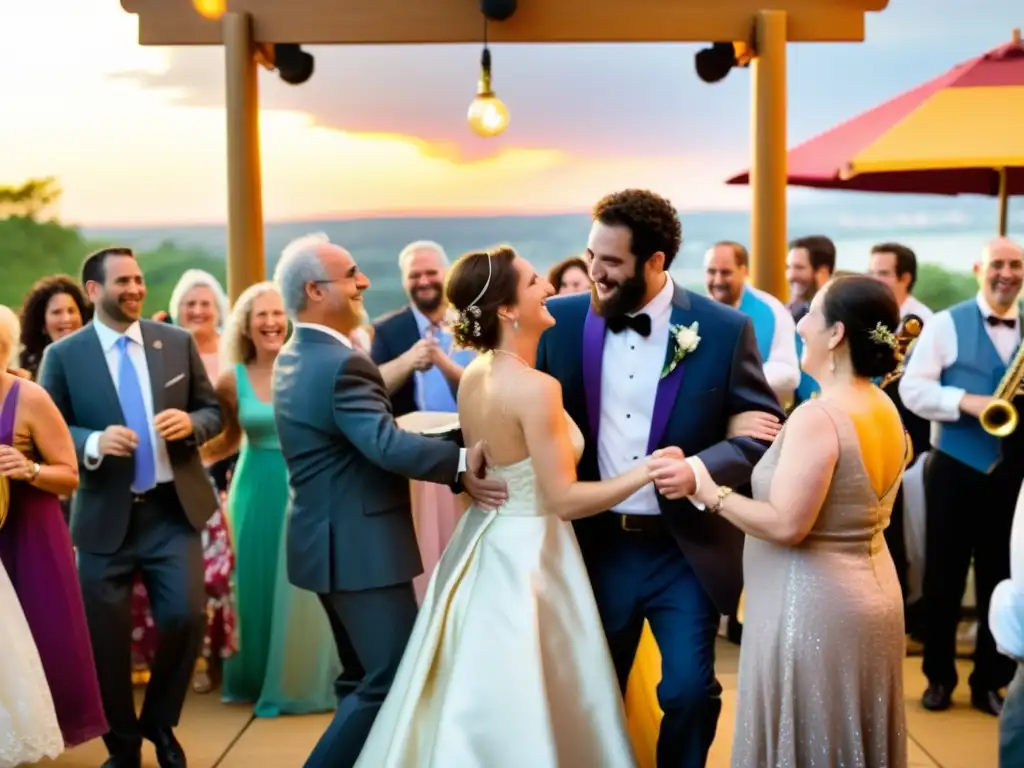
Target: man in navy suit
(646, 364)
(412, 346)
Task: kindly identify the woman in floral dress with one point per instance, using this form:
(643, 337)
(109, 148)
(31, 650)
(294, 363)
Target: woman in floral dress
(198, 304)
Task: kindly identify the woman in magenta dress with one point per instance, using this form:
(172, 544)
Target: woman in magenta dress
(37, 457)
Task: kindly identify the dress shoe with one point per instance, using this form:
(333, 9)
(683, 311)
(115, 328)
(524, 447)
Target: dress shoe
(169, 753)
(989, 702)
(937, 698)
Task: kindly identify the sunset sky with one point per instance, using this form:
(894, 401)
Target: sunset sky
(136, 135)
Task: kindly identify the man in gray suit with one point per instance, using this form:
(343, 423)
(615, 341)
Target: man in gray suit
(137, 399)
(350, 536)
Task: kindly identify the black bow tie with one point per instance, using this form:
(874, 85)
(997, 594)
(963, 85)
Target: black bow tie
(639, 323)
(1009, 322)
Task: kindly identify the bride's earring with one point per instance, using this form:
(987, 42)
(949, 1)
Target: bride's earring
(515, 325)
(831, 363)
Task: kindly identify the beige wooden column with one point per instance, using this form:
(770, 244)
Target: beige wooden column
(246, 256)
(768, 149)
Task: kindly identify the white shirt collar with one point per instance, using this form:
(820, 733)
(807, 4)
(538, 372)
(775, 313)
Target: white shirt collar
(987, 310)
(329, 331)
(108, 336)
(660, 307)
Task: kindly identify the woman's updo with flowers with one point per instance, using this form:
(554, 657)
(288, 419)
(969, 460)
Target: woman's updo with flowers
(479, 284)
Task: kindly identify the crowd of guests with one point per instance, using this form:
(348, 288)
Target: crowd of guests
(134, 601)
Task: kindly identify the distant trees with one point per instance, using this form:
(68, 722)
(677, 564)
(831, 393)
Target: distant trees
(30, 199)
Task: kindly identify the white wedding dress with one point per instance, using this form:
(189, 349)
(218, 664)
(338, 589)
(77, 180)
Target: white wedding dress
(28, 723)
(507, 666)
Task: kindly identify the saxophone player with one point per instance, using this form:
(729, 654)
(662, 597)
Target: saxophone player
(972, 476)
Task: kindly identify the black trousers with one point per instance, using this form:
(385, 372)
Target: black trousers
(167, 550)
(371, 629)
(969, 515)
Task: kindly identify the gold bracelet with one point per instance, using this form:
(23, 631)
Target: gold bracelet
(723, 492)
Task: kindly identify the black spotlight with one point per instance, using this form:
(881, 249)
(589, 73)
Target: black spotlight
(714, 63)
(293, 64)
(497, 10)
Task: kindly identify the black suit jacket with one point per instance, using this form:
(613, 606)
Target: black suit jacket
(395, 334)
(74, 371)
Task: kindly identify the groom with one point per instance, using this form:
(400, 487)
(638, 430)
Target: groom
(646, 364)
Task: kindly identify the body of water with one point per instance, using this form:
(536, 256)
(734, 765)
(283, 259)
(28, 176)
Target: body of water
(946, 232)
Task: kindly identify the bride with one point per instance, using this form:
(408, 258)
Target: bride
(28, 722)
(507, 664)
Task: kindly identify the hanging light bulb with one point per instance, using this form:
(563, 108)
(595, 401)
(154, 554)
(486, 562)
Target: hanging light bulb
(488, 116)
(210, 9)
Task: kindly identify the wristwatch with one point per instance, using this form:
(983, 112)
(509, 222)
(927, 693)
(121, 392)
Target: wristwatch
(36, 469)
(723, 492)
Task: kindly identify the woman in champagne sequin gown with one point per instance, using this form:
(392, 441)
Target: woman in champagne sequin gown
(821, 663)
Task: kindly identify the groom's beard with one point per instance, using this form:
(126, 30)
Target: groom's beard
(627, 297)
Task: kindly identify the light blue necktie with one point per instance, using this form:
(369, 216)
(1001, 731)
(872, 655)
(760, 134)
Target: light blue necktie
(129, 391)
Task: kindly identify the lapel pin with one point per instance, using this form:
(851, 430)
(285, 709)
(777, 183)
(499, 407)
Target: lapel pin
(158, 344)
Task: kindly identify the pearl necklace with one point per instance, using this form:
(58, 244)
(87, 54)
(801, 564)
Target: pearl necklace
(512, 354)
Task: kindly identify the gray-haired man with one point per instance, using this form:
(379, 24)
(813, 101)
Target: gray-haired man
(350, 535)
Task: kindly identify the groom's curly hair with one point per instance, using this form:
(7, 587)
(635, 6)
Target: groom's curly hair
(651, 219)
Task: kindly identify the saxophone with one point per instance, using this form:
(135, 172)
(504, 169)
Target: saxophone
(906, 334)
(999, 418)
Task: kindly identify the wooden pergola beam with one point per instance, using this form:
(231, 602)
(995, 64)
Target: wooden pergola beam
(766, 25)
(381, 22)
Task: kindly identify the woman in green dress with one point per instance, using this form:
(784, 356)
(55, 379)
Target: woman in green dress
(286, 661)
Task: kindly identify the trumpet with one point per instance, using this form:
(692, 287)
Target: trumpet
(906, 334)
(999, 418)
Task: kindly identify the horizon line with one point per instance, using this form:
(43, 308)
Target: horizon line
(412, 213)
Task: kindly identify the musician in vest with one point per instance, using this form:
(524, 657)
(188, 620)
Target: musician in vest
(972, 477)
(726, 269)
(896, 265)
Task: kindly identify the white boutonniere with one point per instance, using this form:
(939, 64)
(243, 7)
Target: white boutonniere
(684, 340)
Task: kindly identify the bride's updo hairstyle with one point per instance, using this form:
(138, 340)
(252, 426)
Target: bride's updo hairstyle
(870, 315)
(479, 283)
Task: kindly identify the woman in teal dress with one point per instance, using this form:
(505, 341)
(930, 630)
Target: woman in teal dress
(286, 661)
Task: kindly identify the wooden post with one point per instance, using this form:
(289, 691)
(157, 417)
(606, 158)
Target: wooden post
(768, 149)
(1004, 201)
(246, 256)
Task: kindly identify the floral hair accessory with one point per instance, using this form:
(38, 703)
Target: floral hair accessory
(882, 335)
(467, 321)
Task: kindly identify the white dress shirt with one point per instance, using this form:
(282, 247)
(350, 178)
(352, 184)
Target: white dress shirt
(935, 350)
(782, 368)
(463, 463)
(913, 306)
(630, 371)
(137, 355)
(1006, 610)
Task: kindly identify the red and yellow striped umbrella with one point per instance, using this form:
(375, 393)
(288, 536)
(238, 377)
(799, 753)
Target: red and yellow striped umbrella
(961, 133)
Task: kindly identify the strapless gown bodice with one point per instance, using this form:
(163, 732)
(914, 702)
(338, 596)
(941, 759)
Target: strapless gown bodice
(521, 480)
(507, 665)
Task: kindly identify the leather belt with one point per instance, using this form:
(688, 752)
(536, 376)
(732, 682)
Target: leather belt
(641, 523)
(152, 493)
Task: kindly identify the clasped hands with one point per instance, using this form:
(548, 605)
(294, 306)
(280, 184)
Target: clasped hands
(171, 425)
(675, 478)
(425, 354)
(14, 465)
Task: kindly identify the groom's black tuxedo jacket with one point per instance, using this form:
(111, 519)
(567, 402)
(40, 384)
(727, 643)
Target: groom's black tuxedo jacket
(722, 377)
